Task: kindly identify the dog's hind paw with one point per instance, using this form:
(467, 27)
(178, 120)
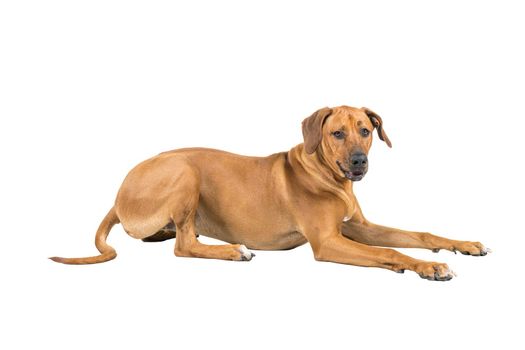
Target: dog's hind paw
(246, 255)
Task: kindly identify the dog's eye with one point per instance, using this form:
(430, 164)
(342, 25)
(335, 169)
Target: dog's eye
(338, 134)
(365, 132)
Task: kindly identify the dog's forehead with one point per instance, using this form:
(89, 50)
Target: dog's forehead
(345, 115)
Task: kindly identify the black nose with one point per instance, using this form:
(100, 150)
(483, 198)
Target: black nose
(358, 160)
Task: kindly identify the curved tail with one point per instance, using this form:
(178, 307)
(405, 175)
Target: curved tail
(106, 252)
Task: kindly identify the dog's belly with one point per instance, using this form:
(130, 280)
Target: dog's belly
(252, 235)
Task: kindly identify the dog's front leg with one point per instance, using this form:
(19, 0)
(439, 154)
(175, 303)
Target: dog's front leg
(372, 234)
(335, 248)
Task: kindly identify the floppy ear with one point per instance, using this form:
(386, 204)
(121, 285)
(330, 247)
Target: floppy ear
(378, 124)
(313, 129)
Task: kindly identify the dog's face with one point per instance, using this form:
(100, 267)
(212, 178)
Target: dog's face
(343, 136)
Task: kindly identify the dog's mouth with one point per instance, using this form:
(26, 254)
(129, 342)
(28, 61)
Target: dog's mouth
(356, 174)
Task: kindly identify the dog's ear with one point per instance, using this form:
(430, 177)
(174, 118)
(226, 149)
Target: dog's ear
(378, 124)
(313, 129)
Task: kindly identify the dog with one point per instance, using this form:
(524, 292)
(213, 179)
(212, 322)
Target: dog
(271, 203)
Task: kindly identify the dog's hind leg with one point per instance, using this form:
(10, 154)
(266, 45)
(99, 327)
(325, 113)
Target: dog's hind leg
(186, 243)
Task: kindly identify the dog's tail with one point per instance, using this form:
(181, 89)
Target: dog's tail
(107, 252)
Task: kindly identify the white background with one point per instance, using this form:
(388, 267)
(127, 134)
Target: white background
(89, 89)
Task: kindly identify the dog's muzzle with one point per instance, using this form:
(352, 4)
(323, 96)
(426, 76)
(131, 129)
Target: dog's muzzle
(356, 168)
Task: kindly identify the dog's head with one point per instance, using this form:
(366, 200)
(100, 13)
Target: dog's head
(343, 136)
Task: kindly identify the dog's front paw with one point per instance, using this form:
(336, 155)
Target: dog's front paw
(245, 254)
(471, 248)
(434, 271)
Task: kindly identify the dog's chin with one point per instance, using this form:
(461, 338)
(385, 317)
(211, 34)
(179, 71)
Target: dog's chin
(355, 175)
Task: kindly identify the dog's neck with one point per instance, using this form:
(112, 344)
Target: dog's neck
(310, 168)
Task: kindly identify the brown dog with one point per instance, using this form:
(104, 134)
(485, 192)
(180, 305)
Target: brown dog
(277, 202)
